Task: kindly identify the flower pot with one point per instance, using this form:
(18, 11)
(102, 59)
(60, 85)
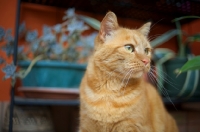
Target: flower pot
(186, 85)
(53, 74)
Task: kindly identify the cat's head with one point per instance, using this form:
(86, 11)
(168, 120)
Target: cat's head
(121, 51)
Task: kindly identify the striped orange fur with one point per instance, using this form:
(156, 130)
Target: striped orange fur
(114, 96)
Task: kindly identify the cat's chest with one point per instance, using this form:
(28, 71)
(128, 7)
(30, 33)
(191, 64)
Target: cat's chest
(107, 109)
(110, 107)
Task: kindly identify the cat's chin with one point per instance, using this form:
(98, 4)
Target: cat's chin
(138, 74)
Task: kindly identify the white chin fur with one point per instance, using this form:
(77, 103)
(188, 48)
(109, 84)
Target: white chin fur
(138, 74)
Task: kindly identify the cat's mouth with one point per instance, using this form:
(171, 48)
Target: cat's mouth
(137, 73)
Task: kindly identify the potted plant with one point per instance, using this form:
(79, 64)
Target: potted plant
(55, 59)
(185, 85)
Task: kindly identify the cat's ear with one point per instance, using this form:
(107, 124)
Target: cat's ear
(108, 25)
(145, 29)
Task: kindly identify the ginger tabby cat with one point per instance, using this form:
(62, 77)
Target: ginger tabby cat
(113, 94)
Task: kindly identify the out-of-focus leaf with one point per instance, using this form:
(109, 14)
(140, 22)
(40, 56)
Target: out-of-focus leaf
(164, 37)
(163, 55)
(184, 17)
(94, 23)
(192, 64)
(193, 38)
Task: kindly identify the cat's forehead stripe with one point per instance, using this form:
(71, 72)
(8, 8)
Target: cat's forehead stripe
(132, 39)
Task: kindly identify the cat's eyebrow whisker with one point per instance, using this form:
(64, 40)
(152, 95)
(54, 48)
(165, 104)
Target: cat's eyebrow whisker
(153, 37)
(156, 23)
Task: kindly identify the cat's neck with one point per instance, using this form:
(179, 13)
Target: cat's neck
(98, 79)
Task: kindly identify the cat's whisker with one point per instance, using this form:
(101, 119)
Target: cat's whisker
(164, 77)
(128, 78)
(160, 86)
(129, 70)
(163, 89)
(154, 81)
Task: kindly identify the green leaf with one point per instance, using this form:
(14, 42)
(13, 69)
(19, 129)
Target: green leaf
(164, 37)
(192, 64)
(193, 38)
(90, 21)
(184, 17)
(166, 54)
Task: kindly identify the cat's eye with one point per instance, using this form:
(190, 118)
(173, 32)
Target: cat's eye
(147, 51)
(129, 47)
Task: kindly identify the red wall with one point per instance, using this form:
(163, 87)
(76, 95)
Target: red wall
(7, 13)
(36, 16)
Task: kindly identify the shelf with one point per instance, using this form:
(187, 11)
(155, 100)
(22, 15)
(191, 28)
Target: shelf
(29, 101)
(179, 100)
(162, 11)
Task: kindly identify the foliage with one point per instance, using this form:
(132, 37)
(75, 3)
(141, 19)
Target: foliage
(180, 34)
(192, 64)
(182, 44)
(62, 42)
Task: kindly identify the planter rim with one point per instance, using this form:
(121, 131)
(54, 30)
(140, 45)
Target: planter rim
(45, 63)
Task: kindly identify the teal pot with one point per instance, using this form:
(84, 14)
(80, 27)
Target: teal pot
(185, 85)
(53, 74)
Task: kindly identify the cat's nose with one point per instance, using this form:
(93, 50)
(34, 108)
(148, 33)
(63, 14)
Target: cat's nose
(145, 61)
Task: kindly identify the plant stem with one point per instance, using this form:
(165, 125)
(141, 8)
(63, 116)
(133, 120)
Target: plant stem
(181, 46)
(40, 57)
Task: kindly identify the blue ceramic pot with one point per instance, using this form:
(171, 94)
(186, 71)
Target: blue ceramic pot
(184, 86)
(53, 74)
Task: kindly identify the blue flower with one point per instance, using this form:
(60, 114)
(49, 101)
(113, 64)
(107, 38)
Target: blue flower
(64, 38)
(57, 28)
(76, 25)
(46, 30)
(1, 60)
(9, 71)
(22, 27)
(2, 33)
(31, 35)
(35, 45)
(8, 48)
(57, 49)
(49, 37)
(70, 13)
(9, 38)
(20, 49)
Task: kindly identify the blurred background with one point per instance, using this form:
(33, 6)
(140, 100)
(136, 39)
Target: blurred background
(55, 39)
